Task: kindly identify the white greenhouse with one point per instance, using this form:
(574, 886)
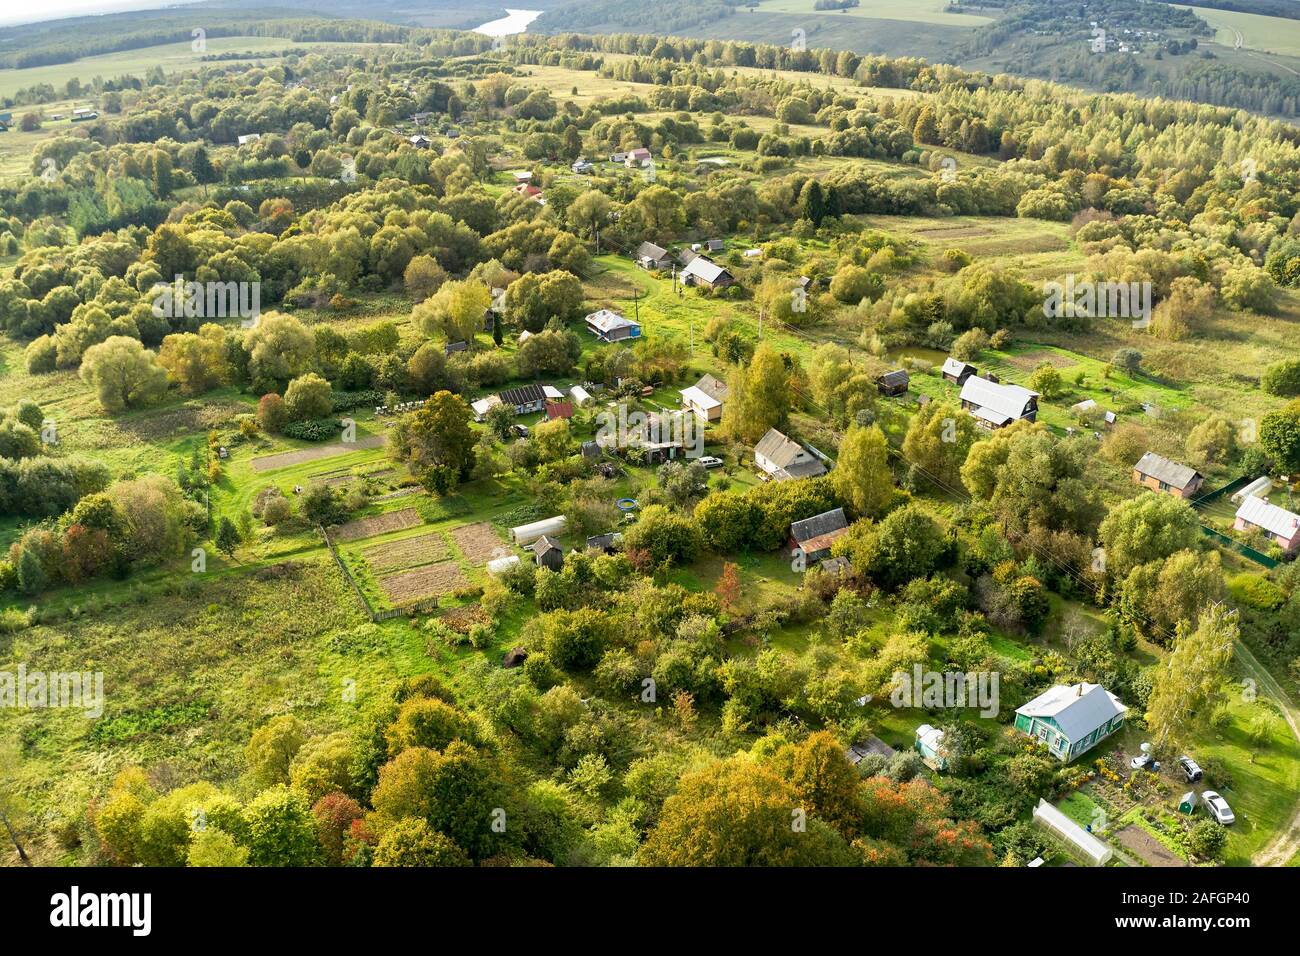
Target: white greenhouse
(1079, 839)
(526, 534)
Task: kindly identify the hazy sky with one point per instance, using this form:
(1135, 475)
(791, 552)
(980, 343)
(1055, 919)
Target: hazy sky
(54, 9)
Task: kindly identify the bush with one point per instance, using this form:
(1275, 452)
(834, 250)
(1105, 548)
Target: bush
(1280, 378)
(321, 429)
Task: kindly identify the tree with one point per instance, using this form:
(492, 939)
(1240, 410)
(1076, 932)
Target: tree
(684, 482)
(455, 311)
(1046, 381)
(412, 842)
(938, 439)
(1282, 378)
(281, 831)
(272, 413)
(758, 396)
(227, 537)
(727, 521)
(280, 348)
(271, 749)
(31, 575)
(907, 544)
(123, 373)
(1147, 528)
(739, 812)
(861, 476)
(455, 791)
(1206, 839)
(1163, 594)
(1279, 436)
(664, 535)
(728, 587)
(1211, 440)
(213, 847)
(195, 361)
(1189, 682)
(423, 277)
(308, 397)
(437, 441)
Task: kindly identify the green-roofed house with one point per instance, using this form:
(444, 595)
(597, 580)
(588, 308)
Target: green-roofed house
(1070, 720)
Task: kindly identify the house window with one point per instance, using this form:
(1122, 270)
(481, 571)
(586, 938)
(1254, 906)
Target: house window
(1164, 486)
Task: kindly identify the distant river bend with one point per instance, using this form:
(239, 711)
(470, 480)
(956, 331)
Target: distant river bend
(515, 22)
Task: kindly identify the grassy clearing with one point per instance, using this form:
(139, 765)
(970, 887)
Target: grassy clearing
(172, 57)
(917, 11)
(1254, 31)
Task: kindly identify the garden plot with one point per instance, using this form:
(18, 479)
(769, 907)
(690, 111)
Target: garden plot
(286, 458)
(406, 553)
(478, 541)
(420, 583)
(378, 524)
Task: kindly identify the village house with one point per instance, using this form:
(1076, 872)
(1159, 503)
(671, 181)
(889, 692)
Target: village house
(581, 166)
(609, 326)
(893, 383)
(957, 371)
(617, 157)
(419, 119)
(635, 157)
(483, 406)
(547, 553)
(813, 536)
(524, 400)
(420, 141)
(1278, 525)
(715, 245)
(556, 410)
(706, 398)
(995, 405)
(528, 191)
(1160, 474)
(702, 272)
(1071, 720)
(784, 459)
(649, 256)
(248, 139)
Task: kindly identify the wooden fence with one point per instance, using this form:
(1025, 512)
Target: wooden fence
(424, 606)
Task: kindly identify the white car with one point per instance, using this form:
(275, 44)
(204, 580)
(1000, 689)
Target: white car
(1144, 762)
(1218, 807)
(709, 461)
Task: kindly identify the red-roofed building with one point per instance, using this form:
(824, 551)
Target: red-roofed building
(559, 410)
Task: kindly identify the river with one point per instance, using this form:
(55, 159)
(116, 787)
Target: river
(516, 22)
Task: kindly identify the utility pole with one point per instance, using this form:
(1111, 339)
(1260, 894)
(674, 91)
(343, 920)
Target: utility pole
(636, 305)
(692, 336)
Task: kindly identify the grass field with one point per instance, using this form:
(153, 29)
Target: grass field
(1255, 32)
(172, 57)
(916, 11)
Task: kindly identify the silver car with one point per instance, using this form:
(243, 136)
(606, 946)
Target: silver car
(1218, 807)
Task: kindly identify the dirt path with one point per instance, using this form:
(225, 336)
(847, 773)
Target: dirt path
(1279, 850)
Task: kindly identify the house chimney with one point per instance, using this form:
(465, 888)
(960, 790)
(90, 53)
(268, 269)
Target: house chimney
(1079, 692)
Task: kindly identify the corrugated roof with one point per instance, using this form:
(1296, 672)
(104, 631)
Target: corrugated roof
(952, 366)
(1005, 400)
(704, 269)
(648, 250)
(828, 522)
(1076, 714)
(1260, 513)
(713, 387)
(696, 396)
(1162, 469)
(777, 448)
(524, 395)
(607, 320)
